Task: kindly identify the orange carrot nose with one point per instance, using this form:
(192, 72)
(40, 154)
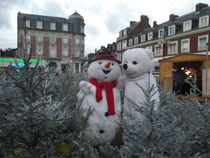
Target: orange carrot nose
(107, 64)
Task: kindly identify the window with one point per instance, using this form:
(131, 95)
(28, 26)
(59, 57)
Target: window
(121, 33)
(77, 52)
(53, 52)
(82, 29)
(204, 21)
(185, 45)
(161, 33)
(52, 26)
(39, 24)
(171, 30)
(77, 41)
(142, 38)
(158, 50)
(28, 38)
(39, 39)
(39, 50)
(187, 25)
(65, 40)
(124, 44)
(65, 52)
(136, 40)
(119, 46)
(65, 27)
(82, 41)
(172, 48)
(53, 39)
(28, 49)
(130, 42)
(27, 23)
(124, 32)
(202, 42)
(150, 36)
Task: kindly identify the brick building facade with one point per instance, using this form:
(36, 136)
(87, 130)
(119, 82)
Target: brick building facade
(56, 41)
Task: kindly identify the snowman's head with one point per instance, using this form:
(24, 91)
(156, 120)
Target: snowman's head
(104, 70)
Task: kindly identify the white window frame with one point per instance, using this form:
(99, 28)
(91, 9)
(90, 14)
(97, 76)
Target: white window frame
(160, 50)
(52, 26)
(185, 24)
(77, 41)
(65, 40)
(185, 50)
(28, 23)
(77, 53)
(39, 39)
(150, 36)
(136, 40)
(28, 38)
(53, 39)
(65, 27)
(124, 32)
(170, 28)
(118, 46)
(206, 18)
(39, 24)
(199, 42)
(143, 38)
(53, 52)
(171, 51)
(130, 43)
(65, 52)
(159, 33)
(124, 44)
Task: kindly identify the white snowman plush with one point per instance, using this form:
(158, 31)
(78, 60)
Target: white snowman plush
(137, 65)
(102, 96)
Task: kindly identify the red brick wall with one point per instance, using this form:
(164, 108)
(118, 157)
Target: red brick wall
(33, 40)
(59, 47)
(46, 43)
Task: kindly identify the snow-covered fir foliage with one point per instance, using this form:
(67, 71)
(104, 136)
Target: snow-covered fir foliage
(179, 128)
(39, 111)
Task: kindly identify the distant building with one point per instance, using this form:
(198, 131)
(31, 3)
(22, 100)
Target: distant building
(189, 33)
(56, 41)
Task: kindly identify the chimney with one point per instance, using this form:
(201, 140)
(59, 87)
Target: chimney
(172, 17)
(132, 23)
(154, 23)
(200, 6)
(144, 19)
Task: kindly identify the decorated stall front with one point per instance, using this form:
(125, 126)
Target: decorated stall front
(185, 74)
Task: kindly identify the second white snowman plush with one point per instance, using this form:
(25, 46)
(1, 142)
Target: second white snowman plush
(102, 96)
(137, 65)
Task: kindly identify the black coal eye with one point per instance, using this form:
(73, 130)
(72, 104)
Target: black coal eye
(99, 63)
(112, 63)
(134, 62)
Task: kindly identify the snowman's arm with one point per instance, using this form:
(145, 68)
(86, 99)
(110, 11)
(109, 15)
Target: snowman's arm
(86, 88)
(121, 82)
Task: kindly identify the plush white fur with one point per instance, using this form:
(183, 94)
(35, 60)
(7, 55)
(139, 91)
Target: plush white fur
(98, 121)
(137, 65)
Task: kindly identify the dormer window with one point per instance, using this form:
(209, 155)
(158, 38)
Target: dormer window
(142, 38)
(161, 33)
(150, 36)
(187, 25)
(130, 42)
(171, 30)
(52, 26)
(121, 33)
(39, 24)
(65, 27)
(204, 21)
(136, 40)
(124, 32)
(28, 23)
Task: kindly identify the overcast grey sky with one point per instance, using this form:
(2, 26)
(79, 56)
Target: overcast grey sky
(103, 18)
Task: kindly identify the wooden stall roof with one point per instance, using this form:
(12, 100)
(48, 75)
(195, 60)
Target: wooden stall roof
(185, 57)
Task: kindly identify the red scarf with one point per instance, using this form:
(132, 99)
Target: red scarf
(109, 93)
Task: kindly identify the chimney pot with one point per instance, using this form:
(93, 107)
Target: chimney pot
(200, 6)
(145, 19)
(154, 23)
